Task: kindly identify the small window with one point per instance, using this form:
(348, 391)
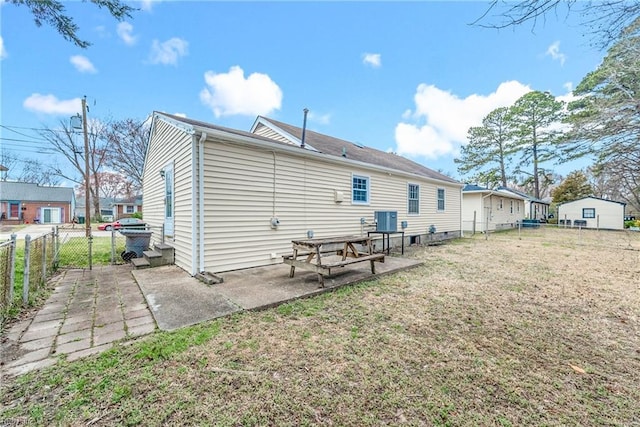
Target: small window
(588, 213)
(413, 197)
(360, 189)
(500, 204)
(440, 199)
(511, 206)
(129, 208)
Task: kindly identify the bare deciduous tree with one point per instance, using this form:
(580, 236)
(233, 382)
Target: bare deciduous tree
(606, 19)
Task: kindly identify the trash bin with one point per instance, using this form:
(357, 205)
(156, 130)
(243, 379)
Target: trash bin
(137, 242)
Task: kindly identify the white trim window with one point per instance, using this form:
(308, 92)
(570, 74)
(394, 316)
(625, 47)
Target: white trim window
(588, 213)
(510, 206)
(129, 209)
(413, 199)
(441, 199)
(359, 189)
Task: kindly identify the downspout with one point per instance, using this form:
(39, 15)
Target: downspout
(194, 204)
(201, 141)
(461, 224)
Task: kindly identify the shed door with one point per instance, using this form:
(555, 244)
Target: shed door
(168, 200)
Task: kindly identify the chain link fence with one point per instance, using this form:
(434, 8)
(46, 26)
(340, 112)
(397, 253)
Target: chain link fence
(25, 264)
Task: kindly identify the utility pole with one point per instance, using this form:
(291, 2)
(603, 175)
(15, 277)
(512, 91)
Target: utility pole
(87, 211)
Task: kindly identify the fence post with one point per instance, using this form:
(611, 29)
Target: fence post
(473, 232)
(27, 267)
(56, 248)
(113, 246)
(12, 267)
(90, 252)
(44, 258)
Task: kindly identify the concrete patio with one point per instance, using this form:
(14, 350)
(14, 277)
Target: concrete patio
(89, 311)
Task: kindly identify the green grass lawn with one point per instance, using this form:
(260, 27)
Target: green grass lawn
(538, 329)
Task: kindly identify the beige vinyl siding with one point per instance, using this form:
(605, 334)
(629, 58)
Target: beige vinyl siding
(501, 216)
(267, 132)
(489, 205)
(609, 215)
(170, 145)
(241, 197)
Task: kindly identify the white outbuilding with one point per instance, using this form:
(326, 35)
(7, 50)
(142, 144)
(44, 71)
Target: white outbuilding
(592, 212)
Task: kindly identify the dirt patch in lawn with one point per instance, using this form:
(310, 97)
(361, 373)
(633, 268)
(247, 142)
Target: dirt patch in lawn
(538, 328)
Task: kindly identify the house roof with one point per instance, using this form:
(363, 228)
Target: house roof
(594, 198)
(317, 142)
(27, 192)
(521, 194)
(341, 148)
(472, 188)
(135, 200)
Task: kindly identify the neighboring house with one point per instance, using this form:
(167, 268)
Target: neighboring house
(534, 208)
(22, 202)
(124, 208)
(230, 199)
(484, 209)
(106, 209)
(592, 212)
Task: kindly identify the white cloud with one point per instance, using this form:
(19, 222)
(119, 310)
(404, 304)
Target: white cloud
(50, 104)
(440, 122)
(372, 59)
(83, 64)
(3, 52)
(231, 93)
(554, 52)
(147, 5)
(168, 52)
(125, 32)
(323, 119)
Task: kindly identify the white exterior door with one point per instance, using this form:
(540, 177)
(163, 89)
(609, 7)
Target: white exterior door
(168, 200)
(51, 216)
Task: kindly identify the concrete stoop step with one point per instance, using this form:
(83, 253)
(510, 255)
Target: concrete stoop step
(161, 254)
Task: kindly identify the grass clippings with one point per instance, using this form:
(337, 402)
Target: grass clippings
(537, 328)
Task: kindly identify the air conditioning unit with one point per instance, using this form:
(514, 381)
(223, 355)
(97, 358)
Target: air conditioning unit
(386, 221)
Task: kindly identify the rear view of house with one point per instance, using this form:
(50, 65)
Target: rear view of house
(229, 199)
(592, 212)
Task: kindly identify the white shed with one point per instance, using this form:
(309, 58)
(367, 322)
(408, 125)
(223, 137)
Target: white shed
(484, 209)
(592, 212)
(230, 199)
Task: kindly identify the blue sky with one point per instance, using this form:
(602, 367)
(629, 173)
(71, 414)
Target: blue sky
(408, 77)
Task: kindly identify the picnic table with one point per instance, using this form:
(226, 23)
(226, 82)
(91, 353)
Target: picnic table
(345, 251)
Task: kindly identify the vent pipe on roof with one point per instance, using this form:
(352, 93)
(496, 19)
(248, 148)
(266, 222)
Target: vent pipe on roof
(304, 127)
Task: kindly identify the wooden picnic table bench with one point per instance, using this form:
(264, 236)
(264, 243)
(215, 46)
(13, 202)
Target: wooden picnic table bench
(345, 247)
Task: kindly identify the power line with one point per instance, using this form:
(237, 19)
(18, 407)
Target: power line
(22, 140)
(9, 128)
